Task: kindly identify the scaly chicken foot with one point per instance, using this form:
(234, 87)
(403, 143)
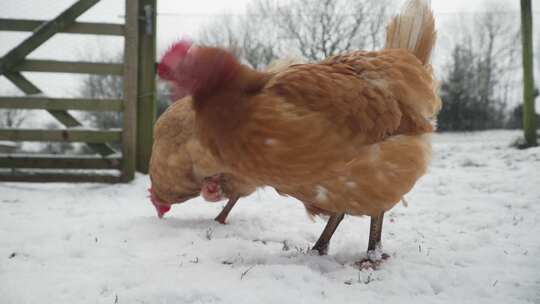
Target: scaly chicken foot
(222, 216)
(324, 240)
(375, 257)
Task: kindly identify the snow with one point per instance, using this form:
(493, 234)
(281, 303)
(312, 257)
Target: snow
(470, 235)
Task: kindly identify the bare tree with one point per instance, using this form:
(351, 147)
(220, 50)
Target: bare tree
(111, 87)
(498, 38)
(466, 106)
(103, 87)
(12, 118)
(319, 29)
(312, 29)
(480, 76)
(249, 37)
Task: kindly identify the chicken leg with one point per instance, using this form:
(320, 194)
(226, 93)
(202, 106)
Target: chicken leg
(375, 232)
(324, 240)
(374, 257)
(222, 216)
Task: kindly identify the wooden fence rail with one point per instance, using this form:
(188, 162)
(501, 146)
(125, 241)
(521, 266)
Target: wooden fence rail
(137, 108)
(59, 162)
(67, 135)
(91, 28)
(48, 177)
(81, 104)
(80, 67)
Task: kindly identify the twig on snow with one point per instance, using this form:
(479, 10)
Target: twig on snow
(285, 246)
(245, 272)
(209, 233)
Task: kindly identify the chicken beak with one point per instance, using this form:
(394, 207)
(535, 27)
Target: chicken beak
(161, 210)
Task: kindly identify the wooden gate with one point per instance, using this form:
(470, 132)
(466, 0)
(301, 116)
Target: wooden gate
(106, 165)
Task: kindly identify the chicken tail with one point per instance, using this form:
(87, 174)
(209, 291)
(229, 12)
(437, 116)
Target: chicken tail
(413, 29)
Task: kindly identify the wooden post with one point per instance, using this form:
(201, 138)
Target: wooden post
(529, 114)
(129, 134)
(146, 108)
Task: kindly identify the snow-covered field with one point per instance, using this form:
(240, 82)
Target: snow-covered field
(471, 234)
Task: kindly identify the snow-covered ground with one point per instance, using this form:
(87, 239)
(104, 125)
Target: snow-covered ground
(471, 234)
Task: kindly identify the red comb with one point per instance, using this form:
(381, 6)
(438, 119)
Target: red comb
(196, 70)
(172, 58)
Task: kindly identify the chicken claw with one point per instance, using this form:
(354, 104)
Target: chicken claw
(372, 263)
(375, 256)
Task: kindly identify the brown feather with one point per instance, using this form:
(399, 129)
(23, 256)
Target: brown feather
(179, 163)
(349, 134)
(315, 117)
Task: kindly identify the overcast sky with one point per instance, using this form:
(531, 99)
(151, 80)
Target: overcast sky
(176, 18)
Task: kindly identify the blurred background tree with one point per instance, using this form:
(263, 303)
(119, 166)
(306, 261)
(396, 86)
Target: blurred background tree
(311, 29)
(111, 87)
(478, 80)
(12, 118)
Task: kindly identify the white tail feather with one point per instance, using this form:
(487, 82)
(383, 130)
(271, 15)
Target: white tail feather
(413, 29)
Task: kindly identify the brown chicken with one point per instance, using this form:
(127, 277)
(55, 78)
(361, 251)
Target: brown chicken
(347, 135)
(181, 169)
